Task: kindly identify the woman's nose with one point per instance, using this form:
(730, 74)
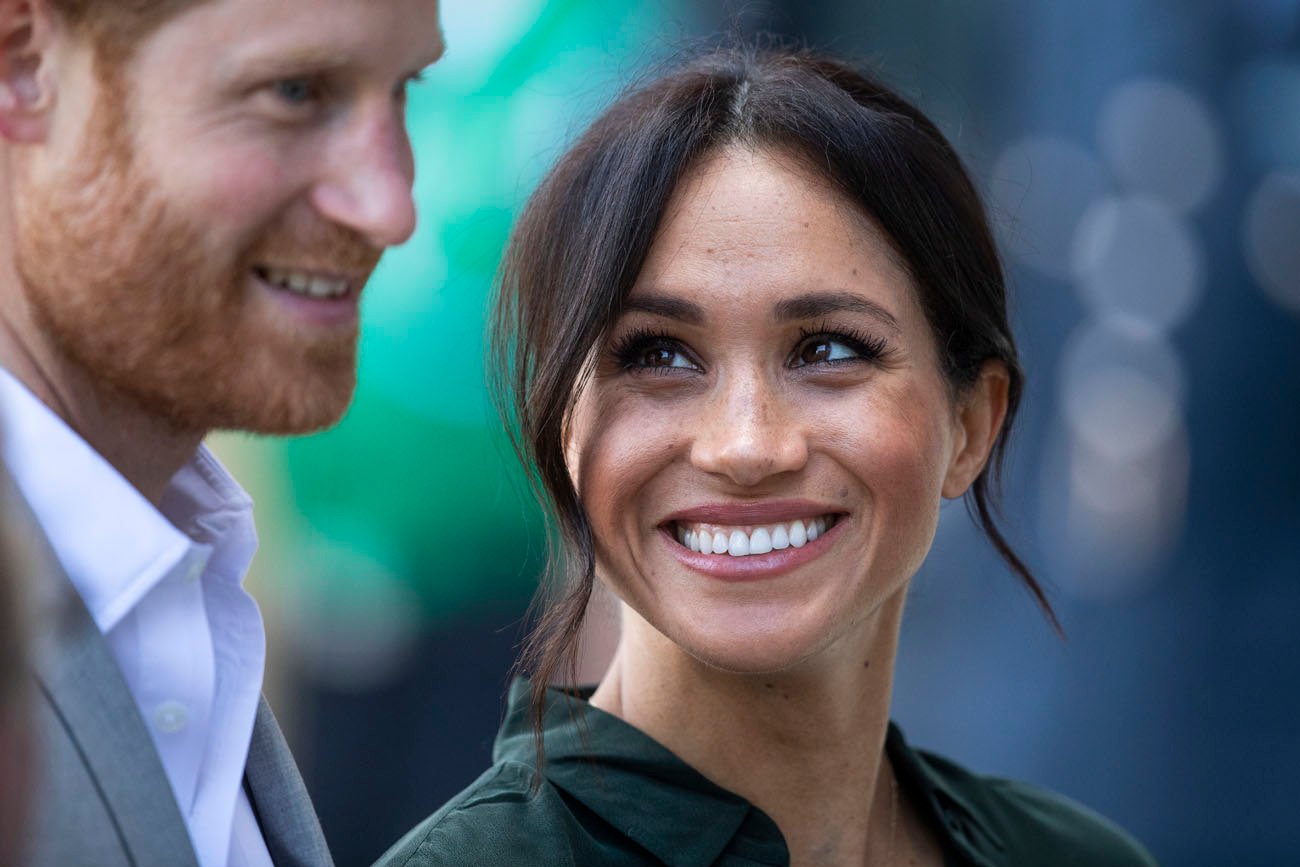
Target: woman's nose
(747, 434)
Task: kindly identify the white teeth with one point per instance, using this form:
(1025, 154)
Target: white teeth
(301, 283)
(320, 288)
(737, 542)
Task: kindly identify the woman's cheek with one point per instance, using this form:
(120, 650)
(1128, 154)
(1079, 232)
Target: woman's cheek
(619, 446)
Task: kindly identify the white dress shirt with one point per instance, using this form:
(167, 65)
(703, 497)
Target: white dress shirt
(165, 588)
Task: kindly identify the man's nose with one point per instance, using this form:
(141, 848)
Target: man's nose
(368, 178)
(748, 433)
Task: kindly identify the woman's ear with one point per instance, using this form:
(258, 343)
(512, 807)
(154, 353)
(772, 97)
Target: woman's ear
(981, 410)
(26, 80)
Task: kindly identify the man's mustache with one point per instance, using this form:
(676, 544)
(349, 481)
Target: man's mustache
(326, 248)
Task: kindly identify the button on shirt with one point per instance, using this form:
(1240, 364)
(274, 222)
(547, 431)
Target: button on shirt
(164, 585)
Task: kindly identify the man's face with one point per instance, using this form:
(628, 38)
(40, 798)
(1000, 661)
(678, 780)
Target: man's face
(197, 227)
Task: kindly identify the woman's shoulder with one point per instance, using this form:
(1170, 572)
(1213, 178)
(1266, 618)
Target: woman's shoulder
(498, 819)
(1026, 824)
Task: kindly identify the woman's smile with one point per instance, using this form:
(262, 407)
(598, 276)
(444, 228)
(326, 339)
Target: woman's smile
(751, 331)
(763, 441)
(751, 540)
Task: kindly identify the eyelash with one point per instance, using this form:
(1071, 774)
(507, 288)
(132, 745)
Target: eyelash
(631, 347)
(867, 346)
(312, 92)
(316, 91)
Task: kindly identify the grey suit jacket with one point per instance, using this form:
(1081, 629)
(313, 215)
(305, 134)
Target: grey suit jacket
(102, 796)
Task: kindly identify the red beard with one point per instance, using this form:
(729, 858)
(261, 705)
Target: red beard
(133, 292)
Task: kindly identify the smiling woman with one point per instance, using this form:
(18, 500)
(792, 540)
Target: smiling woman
(752, 331)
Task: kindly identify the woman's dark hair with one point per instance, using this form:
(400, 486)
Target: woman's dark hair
(583, 236)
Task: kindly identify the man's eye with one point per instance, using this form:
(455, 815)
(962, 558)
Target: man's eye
(296, 91)
(403, 90)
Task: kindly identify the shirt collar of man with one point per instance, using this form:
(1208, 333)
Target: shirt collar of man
(114, 545)
(635, 784)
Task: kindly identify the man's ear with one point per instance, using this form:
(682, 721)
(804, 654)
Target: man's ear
(980, 413)
(26, 80)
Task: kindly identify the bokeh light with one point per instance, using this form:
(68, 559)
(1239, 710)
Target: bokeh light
(1116, 485)
(1040, 188)
(1271, 238)
(1160, 139)
(1135, 258)
(1123, 391)
(1267, 109)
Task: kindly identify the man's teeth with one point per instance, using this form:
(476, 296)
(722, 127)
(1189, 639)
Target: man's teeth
(310, 285)
(736, 541)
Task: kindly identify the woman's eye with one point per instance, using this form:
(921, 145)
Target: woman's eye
(823, 349)
(662, 356)
(639, 352)
(833, 348)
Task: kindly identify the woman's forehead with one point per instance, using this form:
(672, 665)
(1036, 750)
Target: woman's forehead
(750, 226)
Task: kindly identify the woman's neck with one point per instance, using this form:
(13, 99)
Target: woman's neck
(805, 745)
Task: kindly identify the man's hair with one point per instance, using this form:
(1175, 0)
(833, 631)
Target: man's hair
(117, 26)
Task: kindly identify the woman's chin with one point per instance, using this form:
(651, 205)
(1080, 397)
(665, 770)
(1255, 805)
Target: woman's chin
(740, 636)
(750, 652)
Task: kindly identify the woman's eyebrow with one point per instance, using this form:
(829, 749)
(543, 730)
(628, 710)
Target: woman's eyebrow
(817, 304)
(667, 306)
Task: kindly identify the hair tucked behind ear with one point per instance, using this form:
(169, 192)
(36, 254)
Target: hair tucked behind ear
(581, 240)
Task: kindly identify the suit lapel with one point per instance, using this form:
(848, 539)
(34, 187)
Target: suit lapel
(289, 825)
(81, 679)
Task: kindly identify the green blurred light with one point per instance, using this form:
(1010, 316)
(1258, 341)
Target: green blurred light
(419, 479)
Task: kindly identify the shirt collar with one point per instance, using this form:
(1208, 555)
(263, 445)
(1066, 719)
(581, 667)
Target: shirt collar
(112, 543)
(926, 779)
(637, 785)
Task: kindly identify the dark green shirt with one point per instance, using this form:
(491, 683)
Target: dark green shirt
(611, 796)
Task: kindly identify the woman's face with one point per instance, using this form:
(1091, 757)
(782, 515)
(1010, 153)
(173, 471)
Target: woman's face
(765, 440)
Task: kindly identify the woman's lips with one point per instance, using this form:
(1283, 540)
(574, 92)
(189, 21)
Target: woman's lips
(825, 529)
(743, 541)
(756, 512)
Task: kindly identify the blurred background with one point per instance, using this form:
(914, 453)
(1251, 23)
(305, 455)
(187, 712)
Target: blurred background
(1142, 161)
